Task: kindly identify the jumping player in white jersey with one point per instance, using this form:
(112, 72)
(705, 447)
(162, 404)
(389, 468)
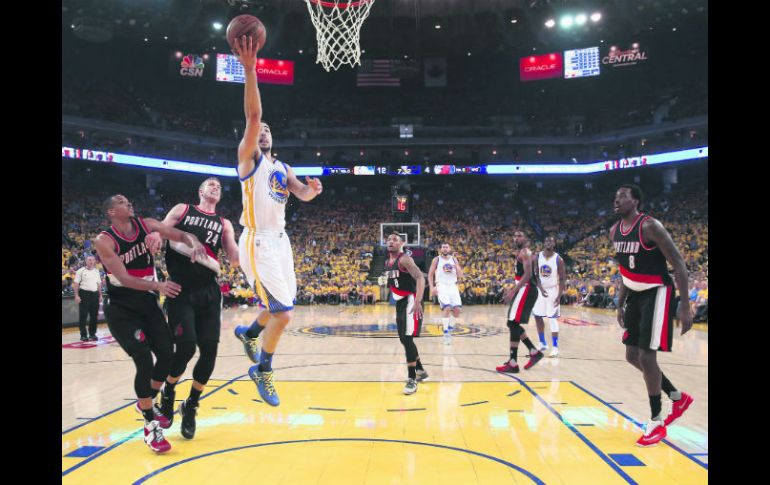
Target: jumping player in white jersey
(265, 253)
(552, 277)
(443, 283)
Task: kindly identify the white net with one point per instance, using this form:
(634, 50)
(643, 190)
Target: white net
(338, 30)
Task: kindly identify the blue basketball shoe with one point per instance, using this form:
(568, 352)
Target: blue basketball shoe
(264, 382)
(250, 346)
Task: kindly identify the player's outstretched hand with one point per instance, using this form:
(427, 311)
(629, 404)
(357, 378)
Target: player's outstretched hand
(246, 50)
(315, 184)
(169, 288)
(508, 296)
(154, 242)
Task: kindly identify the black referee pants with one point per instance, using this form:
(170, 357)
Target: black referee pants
(89, 306)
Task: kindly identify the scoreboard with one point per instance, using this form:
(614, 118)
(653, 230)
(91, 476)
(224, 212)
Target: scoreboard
(581, 63)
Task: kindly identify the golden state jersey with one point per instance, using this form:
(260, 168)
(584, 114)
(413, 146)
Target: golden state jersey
(265, 193)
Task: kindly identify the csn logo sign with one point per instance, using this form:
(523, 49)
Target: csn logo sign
(191, 65)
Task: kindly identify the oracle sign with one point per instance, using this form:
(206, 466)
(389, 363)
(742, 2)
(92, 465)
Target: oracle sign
(274, 71)
(533, 68)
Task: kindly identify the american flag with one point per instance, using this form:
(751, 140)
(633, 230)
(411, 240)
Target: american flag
(376, 72)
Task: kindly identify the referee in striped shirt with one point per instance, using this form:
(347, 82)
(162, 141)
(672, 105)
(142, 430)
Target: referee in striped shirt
(88, 295)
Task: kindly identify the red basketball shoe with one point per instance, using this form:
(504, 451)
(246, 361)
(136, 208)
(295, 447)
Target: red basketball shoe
(533, 359)
(654, 431)
(678, 408)
(153, 436)
(508, 368)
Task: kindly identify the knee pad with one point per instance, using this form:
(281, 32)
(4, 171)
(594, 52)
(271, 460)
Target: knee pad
(554, 324)
(143, 361)
(184, 352)
(205, 365)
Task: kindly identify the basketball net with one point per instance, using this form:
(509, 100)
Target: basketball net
(338, 30)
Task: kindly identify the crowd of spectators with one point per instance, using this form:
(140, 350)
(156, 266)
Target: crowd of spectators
(335, 237)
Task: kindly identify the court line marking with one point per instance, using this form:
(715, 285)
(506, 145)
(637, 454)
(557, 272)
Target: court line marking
(131, 435)
(580, 435)
(639, 425)
(328, 409)
(473, 403)
(527, 473)
(116, 409)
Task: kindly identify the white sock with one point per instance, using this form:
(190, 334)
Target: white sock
(445, 322)
(452, 321)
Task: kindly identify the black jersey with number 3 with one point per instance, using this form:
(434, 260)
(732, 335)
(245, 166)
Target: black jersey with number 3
(399, 281)
(642, 267)
(208, 228)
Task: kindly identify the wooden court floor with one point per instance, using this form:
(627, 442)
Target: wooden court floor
(344, 420)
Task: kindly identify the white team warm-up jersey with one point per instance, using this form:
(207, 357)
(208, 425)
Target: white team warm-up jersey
(548, 270)
(446, 271)
(265, 193)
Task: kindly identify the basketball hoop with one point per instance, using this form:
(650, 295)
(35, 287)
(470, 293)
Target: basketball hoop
(338, 30)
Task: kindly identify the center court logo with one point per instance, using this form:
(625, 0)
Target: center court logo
(278, 186)
(191, 66)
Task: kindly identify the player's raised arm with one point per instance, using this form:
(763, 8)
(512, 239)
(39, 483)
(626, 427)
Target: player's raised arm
(303, 192)
(246, 50)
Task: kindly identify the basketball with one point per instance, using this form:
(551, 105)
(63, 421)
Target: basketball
(247, 25)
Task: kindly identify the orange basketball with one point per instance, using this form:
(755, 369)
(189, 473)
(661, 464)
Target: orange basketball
(247, 25)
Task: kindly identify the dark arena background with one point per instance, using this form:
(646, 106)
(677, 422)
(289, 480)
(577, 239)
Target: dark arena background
(465, 123)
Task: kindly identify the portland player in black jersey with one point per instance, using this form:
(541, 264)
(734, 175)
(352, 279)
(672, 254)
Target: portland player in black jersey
(522, 298)
(133, 311)
(647, 303)
(194, 316)
(407, 284)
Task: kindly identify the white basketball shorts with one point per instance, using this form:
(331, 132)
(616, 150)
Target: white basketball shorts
(268, 263)
(448, 296)
(544, 306)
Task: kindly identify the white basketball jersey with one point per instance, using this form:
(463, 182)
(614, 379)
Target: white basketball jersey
(446, 271)
(548, 270)
(265, 193)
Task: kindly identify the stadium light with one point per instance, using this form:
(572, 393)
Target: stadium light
(438, 26)
(566, 22)
(580, 19)
(550, 23)
(595, 17)
(513, 21)
(217, 25)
